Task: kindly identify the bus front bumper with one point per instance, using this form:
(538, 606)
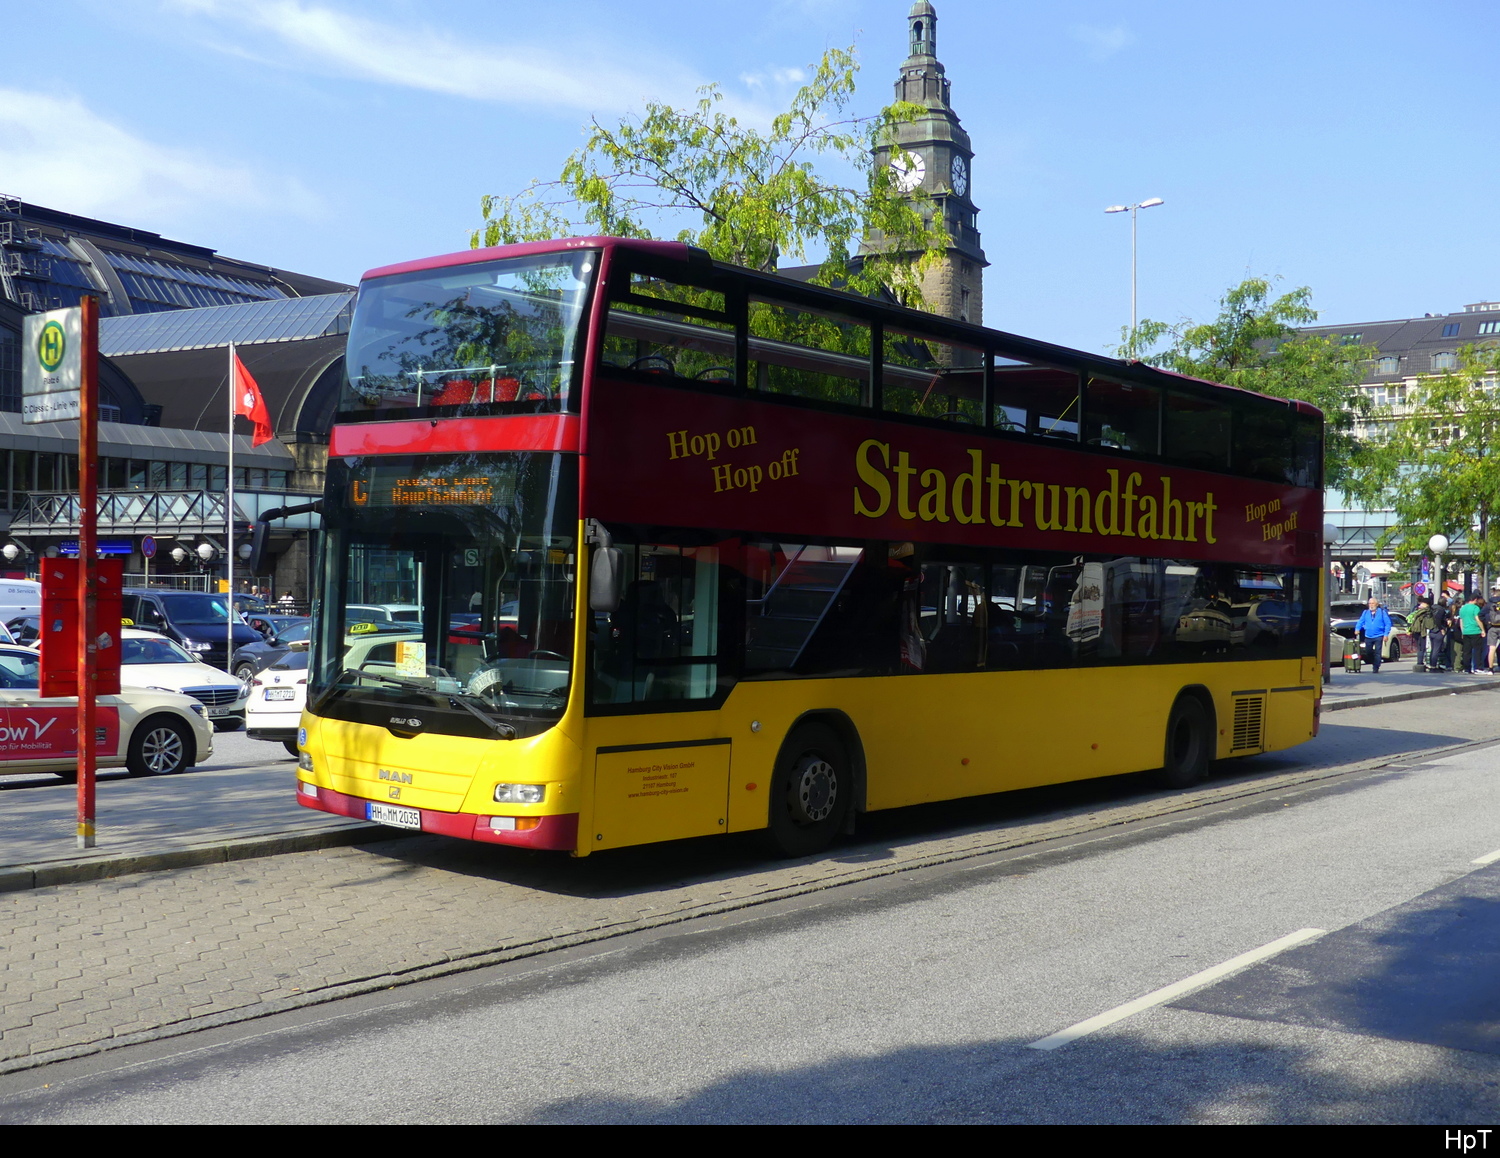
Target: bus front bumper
(548, 832)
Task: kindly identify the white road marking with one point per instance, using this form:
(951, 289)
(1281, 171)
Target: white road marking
(1177, 989)
(1487, 858)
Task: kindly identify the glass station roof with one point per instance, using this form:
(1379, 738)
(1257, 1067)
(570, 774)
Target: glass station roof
(245, 324)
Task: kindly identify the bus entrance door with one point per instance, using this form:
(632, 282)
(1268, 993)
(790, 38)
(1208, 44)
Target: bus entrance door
(656, 793)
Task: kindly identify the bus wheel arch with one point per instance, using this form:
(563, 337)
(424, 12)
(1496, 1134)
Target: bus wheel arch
(816, 785)
(1191, 740)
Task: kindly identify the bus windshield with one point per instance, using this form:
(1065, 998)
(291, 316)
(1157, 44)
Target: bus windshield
(483, 547)
(495, 337)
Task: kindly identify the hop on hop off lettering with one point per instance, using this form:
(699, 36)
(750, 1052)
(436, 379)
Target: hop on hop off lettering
(732, 475)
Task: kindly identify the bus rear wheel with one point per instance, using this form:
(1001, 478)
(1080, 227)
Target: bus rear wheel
(1189, 746)
(810, 792)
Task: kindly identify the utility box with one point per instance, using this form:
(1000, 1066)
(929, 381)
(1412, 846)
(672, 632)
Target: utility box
(60, 616)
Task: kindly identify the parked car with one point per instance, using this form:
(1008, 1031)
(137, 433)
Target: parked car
(384, 612)
(278, 693)
(148, 731)
(1342, 618)
(261, 654)
(151, 661)
(199, 621)
(24, 629)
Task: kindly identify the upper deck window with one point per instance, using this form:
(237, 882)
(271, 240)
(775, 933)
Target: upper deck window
(492, 337)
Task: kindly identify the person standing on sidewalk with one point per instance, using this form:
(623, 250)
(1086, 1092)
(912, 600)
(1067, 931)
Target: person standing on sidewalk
(1438, 652)
(1471, 624)
(1373, 627)
(1492, 628)
(1420, 624)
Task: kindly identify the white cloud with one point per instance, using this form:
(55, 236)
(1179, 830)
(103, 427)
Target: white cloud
(1100, 42)
(421, 58)
(57, 152)
(774, 77)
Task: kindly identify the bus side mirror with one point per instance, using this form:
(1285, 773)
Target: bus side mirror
(604, 579)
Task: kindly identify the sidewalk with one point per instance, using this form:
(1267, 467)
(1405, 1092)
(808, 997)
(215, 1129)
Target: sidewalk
(207, 816)
(1396, 682)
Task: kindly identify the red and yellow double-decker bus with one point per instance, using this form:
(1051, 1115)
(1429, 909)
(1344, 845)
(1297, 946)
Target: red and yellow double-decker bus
(625, 545)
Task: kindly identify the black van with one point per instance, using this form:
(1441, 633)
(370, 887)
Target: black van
(198, 620)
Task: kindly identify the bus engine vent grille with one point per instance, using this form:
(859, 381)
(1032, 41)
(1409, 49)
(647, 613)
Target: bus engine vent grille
(1249, 724)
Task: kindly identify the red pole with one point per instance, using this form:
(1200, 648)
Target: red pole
(88, 505)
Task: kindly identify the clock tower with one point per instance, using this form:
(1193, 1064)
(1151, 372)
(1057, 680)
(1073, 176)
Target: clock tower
(938, 155)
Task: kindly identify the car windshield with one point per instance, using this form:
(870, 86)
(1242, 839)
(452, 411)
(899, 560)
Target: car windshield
(196, 609)
(152, 651)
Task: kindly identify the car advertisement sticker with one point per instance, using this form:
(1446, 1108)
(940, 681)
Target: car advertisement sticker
(37, 732)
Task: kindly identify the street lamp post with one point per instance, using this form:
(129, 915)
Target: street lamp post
(1330, 533)
(1132, 210)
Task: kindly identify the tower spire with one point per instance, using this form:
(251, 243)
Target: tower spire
(934, 156)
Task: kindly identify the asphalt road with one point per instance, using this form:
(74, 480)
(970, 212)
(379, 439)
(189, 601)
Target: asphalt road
(919, 996)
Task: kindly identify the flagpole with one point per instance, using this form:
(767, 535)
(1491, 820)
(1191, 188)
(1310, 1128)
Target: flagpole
(229, 522)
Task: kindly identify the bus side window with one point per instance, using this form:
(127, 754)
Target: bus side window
(666, 329)
(1122, 415)
(931, 378)
(808, 353)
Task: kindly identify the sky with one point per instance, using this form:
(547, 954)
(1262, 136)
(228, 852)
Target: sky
(1347, 147)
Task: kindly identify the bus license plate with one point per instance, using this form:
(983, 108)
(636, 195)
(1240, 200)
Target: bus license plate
(396, 817)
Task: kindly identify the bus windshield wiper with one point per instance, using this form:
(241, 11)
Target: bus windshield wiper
(502, 729)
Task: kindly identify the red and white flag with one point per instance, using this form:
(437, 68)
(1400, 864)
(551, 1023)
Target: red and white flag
(249, 404)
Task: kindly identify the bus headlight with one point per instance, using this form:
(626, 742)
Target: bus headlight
(520, 793)
(304, 761)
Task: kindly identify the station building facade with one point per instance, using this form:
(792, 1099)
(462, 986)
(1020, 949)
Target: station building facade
(168, 312)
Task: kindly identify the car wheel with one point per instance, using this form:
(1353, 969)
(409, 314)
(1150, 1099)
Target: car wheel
(811, 790)
(159, 747)
(245, 671)
(1189, 746)
(291, 747)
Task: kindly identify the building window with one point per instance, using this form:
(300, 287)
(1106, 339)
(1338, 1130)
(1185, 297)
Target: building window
(1445, 361)
(1450, 330)
(198, 476)
(1350, 339)
(1388, 365)
(1392, 395)
(1489, 327)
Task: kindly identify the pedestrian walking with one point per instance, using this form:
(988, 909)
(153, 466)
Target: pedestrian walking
(1373, 627)
(1471, 625)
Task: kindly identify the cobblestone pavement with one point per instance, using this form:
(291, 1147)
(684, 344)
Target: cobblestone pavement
(111, 962)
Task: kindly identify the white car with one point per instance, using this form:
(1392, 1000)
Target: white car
(277, 696)
(148, 732)
(154, 662)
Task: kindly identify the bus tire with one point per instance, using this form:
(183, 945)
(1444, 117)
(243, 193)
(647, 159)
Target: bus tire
(811, 790)
(1189, 746)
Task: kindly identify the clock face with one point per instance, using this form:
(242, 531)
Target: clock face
(908, 171)
(960, 174)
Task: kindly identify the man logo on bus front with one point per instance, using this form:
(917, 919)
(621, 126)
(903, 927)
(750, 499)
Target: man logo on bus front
(406, 723)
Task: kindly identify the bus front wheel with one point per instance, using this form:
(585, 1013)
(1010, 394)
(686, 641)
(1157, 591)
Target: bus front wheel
(1189, 745)
(810, 791)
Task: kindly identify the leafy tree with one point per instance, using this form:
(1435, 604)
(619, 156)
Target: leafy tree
(1253, 344)
(1436, 463)
(759, 195)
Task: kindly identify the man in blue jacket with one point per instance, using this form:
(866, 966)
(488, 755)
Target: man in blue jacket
(1373, 626)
